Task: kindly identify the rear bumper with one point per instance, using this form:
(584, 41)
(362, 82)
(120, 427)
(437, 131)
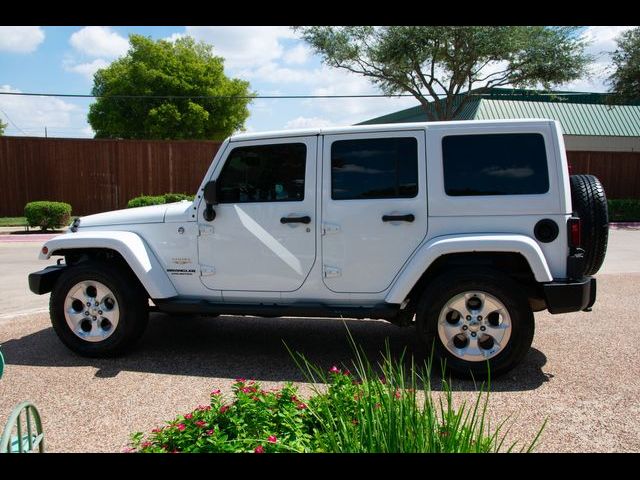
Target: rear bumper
(42, 281)
(573, 296)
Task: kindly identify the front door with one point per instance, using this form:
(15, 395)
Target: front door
(263, 235)
(374, 207)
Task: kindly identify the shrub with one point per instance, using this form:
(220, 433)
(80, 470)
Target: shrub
(146, 200)
(47, 215)
(356, 413)
(624, 210)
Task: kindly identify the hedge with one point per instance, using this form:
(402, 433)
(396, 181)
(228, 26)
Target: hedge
(146, 200)
(47, 215)
(624, 210)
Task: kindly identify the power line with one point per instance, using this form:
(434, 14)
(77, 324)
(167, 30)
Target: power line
(11, 122)
(373, 95)
(76, 95)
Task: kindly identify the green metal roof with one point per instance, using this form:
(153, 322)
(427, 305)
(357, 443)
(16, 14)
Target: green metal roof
(579, 114)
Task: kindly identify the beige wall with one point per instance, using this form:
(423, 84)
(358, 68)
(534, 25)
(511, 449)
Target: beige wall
(601, 144)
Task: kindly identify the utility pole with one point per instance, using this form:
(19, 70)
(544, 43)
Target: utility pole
(45, 131)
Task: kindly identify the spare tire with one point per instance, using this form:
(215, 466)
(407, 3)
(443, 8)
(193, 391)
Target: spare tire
(590, 204)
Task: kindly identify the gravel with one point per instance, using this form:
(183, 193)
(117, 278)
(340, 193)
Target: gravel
(580, 375)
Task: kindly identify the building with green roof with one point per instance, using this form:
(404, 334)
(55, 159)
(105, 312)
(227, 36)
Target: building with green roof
(600, 138)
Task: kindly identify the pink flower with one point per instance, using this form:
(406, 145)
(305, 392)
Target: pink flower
(241, 380)
(156, 430)
(146, 444)
(259, 449)
(301, 406)
(201, 423)
(189, 416)
(272, 439)
(397, 394)
(334, 369)
(209, 432)
(181, 427)
(346, 372)
(215, 392)
(204, 408)
(224, 408)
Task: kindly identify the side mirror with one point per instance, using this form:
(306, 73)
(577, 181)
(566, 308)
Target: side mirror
(211, 199)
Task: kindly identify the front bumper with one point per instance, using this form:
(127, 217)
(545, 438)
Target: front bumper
(572, 296)
(42, 281)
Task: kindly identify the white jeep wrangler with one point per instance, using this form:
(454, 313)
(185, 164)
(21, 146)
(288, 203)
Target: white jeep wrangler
(462, 229)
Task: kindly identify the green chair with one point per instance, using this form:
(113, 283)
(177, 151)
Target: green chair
(23, 431)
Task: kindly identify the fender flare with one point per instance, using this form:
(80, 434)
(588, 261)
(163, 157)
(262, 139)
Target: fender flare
(131, 246)
(425, 255)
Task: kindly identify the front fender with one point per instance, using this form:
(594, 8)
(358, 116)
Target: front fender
(444, 245)
(133, 249)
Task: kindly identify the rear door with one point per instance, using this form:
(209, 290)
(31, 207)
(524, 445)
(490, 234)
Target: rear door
(374, 207)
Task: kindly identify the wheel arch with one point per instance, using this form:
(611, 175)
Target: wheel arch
(516, 255)
(127, 248)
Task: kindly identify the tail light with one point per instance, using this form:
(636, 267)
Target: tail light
(574, 232)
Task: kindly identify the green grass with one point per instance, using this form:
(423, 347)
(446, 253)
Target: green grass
(386, 408)
(13, 221)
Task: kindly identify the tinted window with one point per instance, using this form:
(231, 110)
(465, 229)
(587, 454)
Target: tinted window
(374, 168)
(264, 173)
(497, 164)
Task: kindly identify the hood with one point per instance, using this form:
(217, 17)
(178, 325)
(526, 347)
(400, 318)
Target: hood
(151, 214)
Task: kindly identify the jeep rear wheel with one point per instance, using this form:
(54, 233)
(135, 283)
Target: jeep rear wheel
(95, 310)
(478, 323)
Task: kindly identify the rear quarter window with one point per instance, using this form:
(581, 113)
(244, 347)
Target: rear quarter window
(495, 164)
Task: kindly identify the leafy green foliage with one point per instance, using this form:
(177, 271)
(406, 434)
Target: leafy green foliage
(430, 60)
(146, 200)
(624, 210)
(625, 80)
(47, 215)
(359, 412)
(183, 68)
(13, 221)
(2, 127)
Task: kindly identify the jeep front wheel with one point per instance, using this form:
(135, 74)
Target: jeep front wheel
(479, 323)
(96, 311)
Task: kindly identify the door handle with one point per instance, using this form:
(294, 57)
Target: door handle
(409, 217)
(305, 219)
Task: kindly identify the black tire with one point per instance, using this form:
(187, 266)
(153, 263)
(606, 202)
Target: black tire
(131, 299)
(590, 204)
(503, 288)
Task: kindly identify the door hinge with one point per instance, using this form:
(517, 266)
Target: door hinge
(331, 272)
(206, 271)
(330, 228)
(205, 230)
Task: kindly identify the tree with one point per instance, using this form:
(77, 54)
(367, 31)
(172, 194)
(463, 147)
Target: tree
(434, 61)
(625, 80)
(161, 68)
(2, 127)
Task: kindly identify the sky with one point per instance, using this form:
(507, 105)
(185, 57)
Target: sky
(273, 59)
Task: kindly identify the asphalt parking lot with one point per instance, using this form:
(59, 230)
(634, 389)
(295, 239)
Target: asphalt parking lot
(580, 373)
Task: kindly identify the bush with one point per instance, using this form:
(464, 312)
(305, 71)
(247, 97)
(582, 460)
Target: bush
(146, 200)
(47, 215)
(357, 413)
(624, 210)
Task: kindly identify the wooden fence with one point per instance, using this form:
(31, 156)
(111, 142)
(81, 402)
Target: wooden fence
(619, 172)
(101, 175)
(97, 175)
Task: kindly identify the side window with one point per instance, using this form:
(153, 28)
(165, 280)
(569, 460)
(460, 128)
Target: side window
(495, 164)
(264, 173)
(374, 168)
